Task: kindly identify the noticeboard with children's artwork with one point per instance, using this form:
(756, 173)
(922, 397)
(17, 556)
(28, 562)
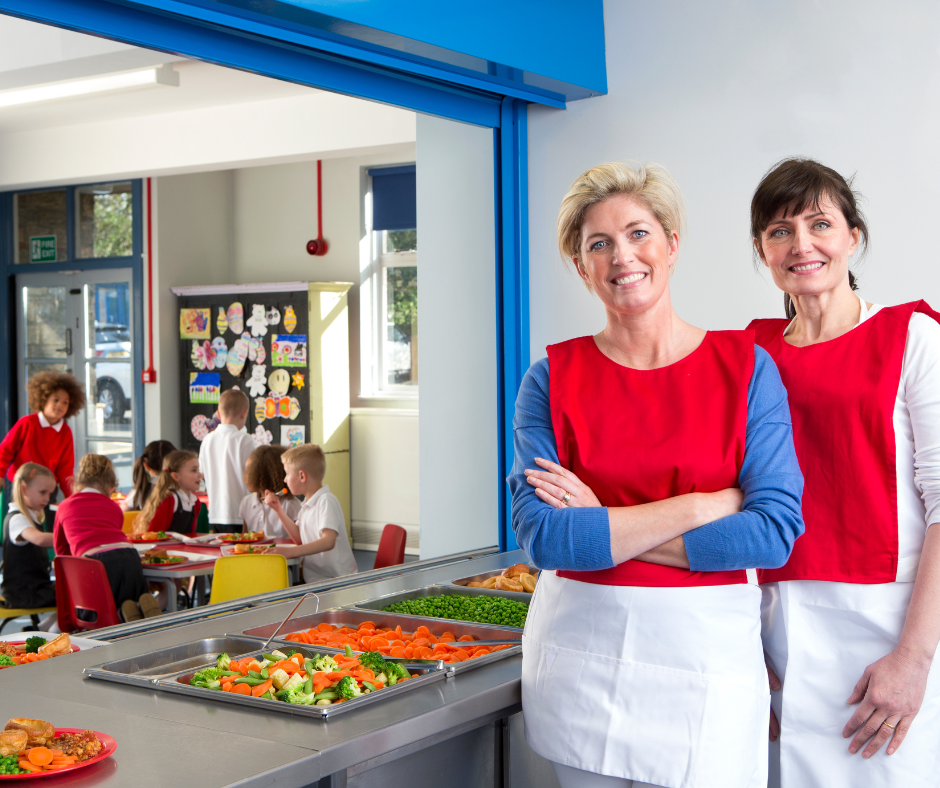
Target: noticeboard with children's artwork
(253, 341)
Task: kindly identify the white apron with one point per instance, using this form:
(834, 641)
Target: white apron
(656, 684)
(820, 636)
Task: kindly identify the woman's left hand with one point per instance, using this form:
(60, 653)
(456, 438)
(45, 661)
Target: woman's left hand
(890, 692)
(559, 487)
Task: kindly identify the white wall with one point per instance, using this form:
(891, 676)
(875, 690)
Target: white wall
(457, 337)
(717, 93)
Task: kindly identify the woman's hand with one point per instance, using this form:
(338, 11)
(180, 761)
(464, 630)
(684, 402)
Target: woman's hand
(559, 487)
(890, 692)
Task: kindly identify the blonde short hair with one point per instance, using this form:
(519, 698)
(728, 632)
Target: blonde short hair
(233, 402)
(97, 471)
(651, 184)
(308, 458)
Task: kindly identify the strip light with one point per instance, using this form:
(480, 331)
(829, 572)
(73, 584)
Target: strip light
(162, 75)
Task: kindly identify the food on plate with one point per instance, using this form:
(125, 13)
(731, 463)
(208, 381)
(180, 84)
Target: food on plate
(149, 536)
(248, 549)
(420, 644)
(34, 649)
(13, 742)
(159, 557)
(248, 536)
(319, 680)
(39, 732)
(483, 609)
(80, 746)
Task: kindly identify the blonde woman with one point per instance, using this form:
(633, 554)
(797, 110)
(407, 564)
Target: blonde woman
(667, 470)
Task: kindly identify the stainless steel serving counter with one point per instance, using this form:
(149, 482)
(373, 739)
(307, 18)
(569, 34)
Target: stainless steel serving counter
(463, 731)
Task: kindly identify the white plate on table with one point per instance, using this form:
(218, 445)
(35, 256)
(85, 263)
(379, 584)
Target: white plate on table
(82, 643)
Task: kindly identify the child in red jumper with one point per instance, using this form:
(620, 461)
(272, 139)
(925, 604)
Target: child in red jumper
(90, 525)
(43, 437)
(173, 506)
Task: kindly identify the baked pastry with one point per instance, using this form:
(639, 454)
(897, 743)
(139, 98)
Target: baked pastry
(508, 584)
(13, 742)
(528, 582)
(57, 647)
(515, 570)
(38, 732)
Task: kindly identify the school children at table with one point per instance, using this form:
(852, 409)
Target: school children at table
(265, 471)
(147, 468)
(173, 505)
(223, 456)
(319, 532)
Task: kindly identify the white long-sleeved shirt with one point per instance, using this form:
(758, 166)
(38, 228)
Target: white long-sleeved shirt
(222, 459)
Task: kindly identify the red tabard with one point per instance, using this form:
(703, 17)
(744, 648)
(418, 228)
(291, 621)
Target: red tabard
(842, 395)
(637, 436)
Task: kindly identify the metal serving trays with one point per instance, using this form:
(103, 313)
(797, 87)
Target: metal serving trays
(353, 618)
(144, 669)
(464, 581)
(438, 590)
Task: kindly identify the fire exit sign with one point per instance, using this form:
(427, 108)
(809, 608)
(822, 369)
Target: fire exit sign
(42, 249)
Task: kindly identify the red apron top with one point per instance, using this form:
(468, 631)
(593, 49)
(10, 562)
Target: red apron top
(638, 436)
(842, 395)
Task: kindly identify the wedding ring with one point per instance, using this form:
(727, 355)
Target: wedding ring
(885, 723)
(566, 498)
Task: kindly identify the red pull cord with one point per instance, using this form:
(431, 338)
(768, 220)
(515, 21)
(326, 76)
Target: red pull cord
(319, 246)
(149, 374)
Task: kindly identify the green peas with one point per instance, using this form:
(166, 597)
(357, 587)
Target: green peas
(10, 765)
(481, 609)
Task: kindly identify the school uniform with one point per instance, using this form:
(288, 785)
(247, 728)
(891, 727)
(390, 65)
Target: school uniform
(258, 516)
(222, 459)
(320, 512)
(178, 512)
(26, 566)
(33, 439)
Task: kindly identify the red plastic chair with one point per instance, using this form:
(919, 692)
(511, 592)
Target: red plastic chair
(391, 550)
(82, 584)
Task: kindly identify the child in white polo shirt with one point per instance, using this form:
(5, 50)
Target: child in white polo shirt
(222, 459)
(320, 531)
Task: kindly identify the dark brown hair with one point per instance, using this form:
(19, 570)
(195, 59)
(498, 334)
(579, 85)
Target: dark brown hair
(795, 184)
(265, 471)
(96, 470)
(153, 455)
(44, 384)
(164, 487)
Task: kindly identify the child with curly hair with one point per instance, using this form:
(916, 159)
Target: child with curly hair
(44, 437)
(265, 471)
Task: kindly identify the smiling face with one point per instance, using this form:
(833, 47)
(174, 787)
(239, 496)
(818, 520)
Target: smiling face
(188, 477)
(625, 255)
(808, 254)
(56, 406)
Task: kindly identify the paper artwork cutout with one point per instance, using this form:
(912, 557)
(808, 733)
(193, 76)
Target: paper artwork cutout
(290, 319)
(293, 434)
(256, 351)
(298, 380)
(288, 350)
(236, 318)
(270, 406)
(237, 355)
(260, 414)
(258, 323)
(288, 408)
(221, 321)
(195, 323)
(203, 355)
(257, 383)
(272, 316)
(221, 352)
(279, 381)
(198, 427)
(204, 387)
(262, 437)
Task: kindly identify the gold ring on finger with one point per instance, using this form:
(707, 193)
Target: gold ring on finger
(566, 498)
(885, 723)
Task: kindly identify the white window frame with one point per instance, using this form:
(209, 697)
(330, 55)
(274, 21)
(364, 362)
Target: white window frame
(373, 310)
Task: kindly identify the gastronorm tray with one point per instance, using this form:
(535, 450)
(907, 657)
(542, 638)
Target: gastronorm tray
(463, 581)
(382, 602)
(144, 669)
(428, 671)
(353, 618)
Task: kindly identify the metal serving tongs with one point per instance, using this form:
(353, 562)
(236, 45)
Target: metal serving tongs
(268, 641)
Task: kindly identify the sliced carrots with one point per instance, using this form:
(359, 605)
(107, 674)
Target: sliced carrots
(43, 759)
(420, 644)
(39, 756)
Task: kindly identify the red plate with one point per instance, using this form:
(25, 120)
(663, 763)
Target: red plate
(262, 540)
(110, 745)
(137, 538)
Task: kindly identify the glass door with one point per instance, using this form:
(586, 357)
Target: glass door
(80, 322)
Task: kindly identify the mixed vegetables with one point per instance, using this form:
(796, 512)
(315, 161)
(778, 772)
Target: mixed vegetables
(320, 680)
(420, 644)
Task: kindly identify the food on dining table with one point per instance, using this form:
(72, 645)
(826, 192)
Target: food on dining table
(160, 557)
(420, 644)
(12, 654)
(249, 549)
(80, 746)
(149, 536)
(482, 609)
(38, 732)
(13, 742)
(319, 680)
(248, 536)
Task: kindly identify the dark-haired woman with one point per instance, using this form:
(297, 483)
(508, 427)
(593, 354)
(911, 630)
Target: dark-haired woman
(852, 620)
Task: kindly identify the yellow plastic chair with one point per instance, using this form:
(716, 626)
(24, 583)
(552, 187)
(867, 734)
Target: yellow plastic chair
(129, 518)
(7, 614)
(236, 576)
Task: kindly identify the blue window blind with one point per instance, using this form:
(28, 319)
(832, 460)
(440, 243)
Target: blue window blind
(394, 201)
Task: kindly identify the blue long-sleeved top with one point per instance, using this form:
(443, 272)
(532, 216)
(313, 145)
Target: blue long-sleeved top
(578, 538)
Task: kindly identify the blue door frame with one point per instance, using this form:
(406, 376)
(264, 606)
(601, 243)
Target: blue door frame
(206, 31)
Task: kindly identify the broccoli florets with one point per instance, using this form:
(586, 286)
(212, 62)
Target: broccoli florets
(373, 661)
(34, 643)
(6, 661)
(223, 661)
(298, 696)
(348, 688)
(395, 672)
(324, 663)
(208, 678)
